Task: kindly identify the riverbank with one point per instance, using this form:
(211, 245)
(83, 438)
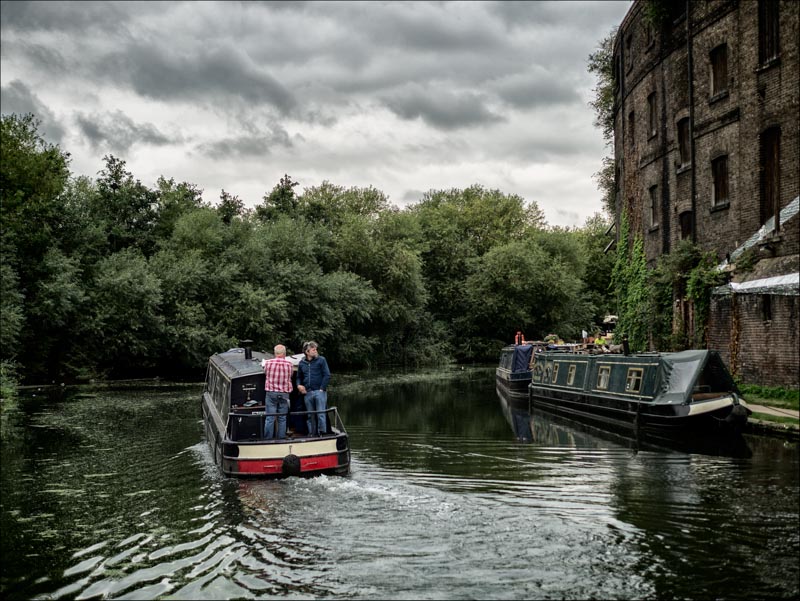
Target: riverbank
(774, 421)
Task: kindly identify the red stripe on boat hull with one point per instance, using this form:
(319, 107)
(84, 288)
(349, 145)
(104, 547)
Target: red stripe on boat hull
(275, 466)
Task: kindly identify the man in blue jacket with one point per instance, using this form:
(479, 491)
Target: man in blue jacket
(313, 376)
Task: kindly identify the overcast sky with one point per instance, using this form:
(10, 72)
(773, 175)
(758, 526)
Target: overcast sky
(402, 96)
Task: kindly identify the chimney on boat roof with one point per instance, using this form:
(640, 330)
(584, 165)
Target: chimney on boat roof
(626, 347)
(248, 349)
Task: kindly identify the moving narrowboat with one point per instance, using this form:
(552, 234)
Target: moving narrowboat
(234, 414)
(661, 392)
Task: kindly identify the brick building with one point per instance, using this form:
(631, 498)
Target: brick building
(707, 148)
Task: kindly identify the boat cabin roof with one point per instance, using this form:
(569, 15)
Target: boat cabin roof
(677, 375)
(234, 365)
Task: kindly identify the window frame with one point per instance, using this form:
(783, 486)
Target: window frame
(718, 62)
(571, 374)
(652, 110)
(603, 382)
(653, 199)
(635, 375)
(684, 138)
(768, 32)
(720, 181)
(770, 156)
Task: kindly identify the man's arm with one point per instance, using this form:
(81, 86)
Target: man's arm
(326, 374)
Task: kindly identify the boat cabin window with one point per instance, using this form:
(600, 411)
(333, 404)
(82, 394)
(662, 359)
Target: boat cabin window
(634, 381)
(555, 372)
(603, 376)
(571, 375)
(537, 372)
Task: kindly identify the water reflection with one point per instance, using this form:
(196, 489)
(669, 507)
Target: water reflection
(530, 423)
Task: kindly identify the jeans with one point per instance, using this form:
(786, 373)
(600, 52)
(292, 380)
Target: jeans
(316, 400)
(277, 402)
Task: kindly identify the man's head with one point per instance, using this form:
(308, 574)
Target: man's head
(310, 348)
(279, 350)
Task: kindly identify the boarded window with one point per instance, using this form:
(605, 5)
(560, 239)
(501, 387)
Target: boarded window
(683, 141)
(686, 225)
(634, 381)
(651, 114)
(768, 36)
(719, 69)
(571, 376)
(603, 376)
(766, 307)
(719, 171)
(770, 175)
(628, 52)
(653, 206)
(632, 128)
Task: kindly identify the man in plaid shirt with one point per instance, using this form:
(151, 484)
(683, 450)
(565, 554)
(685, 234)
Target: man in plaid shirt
(278, 386)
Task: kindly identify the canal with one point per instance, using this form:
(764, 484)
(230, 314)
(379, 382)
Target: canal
(110, 492)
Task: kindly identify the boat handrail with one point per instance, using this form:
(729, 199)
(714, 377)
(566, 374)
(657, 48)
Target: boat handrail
(336, 420)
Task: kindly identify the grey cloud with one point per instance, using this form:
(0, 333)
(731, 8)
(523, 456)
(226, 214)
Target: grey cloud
(583, 15)
(222, 72)
(441, 109)
(118, 132)
(530, 90)
(246, 145)
(410, 196)
(17, 98)
(72, 17)
(39, 56)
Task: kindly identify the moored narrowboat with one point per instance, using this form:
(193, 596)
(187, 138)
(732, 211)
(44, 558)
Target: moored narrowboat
(661, 392)
(513, 373)
(234, 415)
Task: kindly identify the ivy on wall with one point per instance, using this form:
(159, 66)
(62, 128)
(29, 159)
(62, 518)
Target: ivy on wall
(651, 302)
(631, 286)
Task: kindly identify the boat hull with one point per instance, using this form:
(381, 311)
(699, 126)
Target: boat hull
(720, 414)
(513, 385)
(294, 456)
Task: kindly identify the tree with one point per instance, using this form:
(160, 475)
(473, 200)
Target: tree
(124, 207)
(280, 201)
(601, 64)
(124, 323)
(230, 206)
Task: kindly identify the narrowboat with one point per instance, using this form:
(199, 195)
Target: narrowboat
(513, 373)
(688, 391)
(234, 413)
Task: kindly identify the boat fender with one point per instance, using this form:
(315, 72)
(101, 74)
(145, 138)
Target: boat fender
(291, 465)
(738, 414)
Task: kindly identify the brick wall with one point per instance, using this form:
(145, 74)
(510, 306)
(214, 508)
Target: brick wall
(673, 60)
(757, 350)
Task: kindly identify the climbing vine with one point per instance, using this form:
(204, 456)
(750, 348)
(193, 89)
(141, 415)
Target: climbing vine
(630, 283)
(650, 302)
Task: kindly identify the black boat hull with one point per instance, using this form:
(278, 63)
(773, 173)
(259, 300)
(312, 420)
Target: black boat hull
(720, 415)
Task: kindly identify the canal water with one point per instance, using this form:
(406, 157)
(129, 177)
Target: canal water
(110, 492)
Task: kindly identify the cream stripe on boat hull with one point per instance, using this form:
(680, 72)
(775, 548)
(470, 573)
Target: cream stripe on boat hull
(280, 450)
(707, 406)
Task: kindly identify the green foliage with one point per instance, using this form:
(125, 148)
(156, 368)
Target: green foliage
(601, 64)
(788, 398)
(108, 277)
(8, 387)
(12, 316)
(280, 201)
(632, 288)
(747, 260)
